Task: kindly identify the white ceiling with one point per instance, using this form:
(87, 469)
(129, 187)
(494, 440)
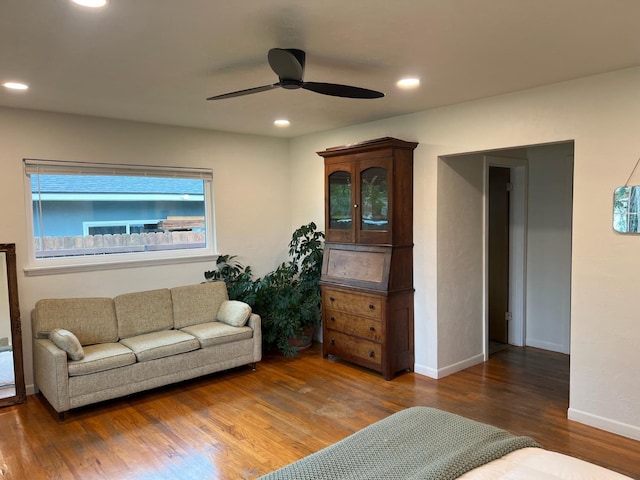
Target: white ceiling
(157, 60)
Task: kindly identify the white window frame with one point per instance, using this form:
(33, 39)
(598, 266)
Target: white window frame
(115, 223)
(47, 266)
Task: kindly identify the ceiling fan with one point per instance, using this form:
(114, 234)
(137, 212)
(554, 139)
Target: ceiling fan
(288, 64)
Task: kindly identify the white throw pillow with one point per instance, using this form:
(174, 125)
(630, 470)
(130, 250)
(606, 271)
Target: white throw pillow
(67, 341)
(234, 313)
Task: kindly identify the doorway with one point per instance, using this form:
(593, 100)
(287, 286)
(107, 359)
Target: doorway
(506, 204)
(498, 257)
(539, 247)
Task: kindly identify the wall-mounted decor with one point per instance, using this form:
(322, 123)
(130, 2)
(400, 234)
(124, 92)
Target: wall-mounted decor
(626, 206)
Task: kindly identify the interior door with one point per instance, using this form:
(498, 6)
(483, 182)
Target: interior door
(498, 261)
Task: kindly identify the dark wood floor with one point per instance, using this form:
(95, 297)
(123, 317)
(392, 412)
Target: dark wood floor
(242, 424)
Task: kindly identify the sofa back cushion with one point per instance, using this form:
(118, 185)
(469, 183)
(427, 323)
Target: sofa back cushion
(91, 320)
(144, 312)
(195, 304)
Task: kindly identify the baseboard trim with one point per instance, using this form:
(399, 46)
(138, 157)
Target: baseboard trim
(613, 426)
(458, 366)
(449, 369)
(554, 347)
(426, 371)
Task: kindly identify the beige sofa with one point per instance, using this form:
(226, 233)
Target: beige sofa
(138, 341)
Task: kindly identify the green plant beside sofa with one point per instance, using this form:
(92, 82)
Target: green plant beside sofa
(288, 298)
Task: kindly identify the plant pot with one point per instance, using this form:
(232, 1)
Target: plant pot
(305, 340)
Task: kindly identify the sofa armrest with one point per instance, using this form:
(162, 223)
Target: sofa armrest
(51, 374)
(255, 322)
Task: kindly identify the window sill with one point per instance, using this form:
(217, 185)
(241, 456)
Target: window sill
(88, 266)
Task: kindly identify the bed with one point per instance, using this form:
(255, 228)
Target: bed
(426, 443)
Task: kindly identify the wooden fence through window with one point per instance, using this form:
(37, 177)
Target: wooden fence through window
(78, 245)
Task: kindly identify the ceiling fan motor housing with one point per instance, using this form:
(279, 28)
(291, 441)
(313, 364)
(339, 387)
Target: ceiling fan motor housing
(290, 84)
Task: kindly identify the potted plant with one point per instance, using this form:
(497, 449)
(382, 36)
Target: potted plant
(239, 279)
(287, 299)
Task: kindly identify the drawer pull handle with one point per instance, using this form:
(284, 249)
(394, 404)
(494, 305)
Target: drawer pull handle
(332, 299)
(333, 319)
(371, 307)
(333, 341)
(372, 354)
(372, 329)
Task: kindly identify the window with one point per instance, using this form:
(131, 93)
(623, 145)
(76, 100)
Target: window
(84, 214)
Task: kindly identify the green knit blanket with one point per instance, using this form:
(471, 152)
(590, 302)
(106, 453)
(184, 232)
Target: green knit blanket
(416, 443)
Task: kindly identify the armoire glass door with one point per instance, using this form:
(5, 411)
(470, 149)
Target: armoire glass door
(374, 199)
(340, 201)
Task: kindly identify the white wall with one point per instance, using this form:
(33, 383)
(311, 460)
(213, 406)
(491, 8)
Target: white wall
(602, 115)
(549, 247)
(251, 190)
(460, 235)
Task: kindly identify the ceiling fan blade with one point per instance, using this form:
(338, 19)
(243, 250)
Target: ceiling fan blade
(288, 64)
(248, 91)
(338, 90)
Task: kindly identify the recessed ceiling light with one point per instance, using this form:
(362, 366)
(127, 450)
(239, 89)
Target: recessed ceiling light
(408, 82)
(282, 123)
(15, 85)
(91, 3)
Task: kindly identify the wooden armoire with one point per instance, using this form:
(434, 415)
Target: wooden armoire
(367, 270)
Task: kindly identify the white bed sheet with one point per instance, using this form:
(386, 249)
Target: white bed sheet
(539, 464)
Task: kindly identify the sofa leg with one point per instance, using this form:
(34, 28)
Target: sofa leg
(253, 366)
(62, 416)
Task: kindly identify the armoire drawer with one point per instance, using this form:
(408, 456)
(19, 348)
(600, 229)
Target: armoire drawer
(367, 328)
(353, 303)
(353, 348)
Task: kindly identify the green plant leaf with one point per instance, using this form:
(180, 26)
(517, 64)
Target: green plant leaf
(288, 298)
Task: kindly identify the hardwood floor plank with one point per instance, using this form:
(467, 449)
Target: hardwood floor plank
(242, 424)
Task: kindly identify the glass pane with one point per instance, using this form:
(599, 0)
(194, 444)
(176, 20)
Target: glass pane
(626, 209)
(80, 215)
(7, 375)
(340, 200)
(374, 199)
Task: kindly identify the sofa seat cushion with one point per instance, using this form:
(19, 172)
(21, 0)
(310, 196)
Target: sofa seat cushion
(101, 357)
(160, 344)
(217, 333)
